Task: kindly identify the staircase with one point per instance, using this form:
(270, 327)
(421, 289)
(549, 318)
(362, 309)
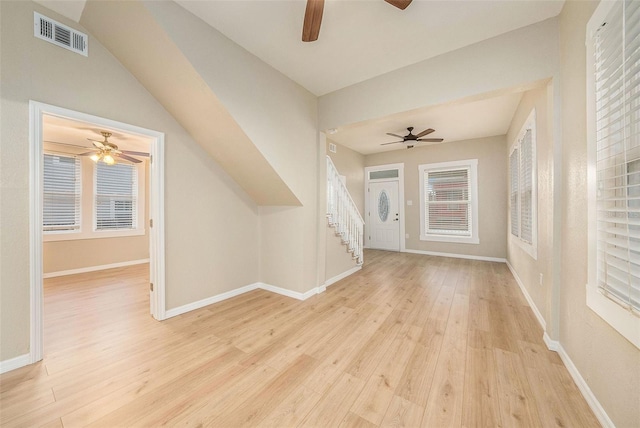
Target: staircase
(343, 215)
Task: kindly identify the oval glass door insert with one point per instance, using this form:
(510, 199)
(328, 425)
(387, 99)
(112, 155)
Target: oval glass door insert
(383, 206)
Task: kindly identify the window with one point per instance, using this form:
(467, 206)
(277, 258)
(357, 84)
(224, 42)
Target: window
(449, 201)
(61, 193)
(85, 200)
(523, 188)
(613, 76)
(116, 196)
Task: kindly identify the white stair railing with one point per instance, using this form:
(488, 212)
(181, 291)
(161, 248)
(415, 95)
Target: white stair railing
(343, 214)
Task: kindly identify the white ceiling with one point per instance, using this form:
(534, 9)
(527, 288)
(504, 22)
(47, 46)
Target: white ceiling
(453, 122)
(362, 39)
(72, 136)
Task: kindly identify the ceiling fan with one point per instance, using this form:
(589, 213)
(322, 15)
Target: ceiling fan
(107, 152)
(313, 17)
(410, 139)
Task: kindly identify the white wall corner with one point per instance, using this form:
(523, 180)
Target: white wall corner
(527, 296)
(289, 293)
(341, 276)
(15, 363)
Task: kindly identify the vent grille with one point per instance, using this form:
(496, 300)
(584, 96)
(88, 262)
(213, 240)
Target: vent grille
(60, 35)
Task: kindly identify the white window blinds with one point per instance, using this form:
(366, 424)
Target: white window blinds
(514, 169)
(447, 202)
(116, 196)
(61, 193)
(526, 187)
(617, 96)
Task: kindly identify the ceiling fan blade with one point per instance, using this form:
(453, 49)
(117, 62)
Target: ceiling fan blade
(431, 140)
(129, 152)
(425, 132)
(66, 144)
(393, 142)
(129, 158)
(400, 4)
(312, 20)
(395, 135)
(97, 143)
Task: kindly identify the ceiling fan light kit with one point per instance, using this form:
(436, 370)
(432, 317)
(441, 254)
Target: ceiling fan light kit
(313, 17)
(107, 152)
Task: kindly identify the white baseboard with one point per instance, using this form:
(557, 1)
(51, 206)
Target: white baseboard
(15, 363)
(582, 385)
(527, 296)
(293, 294)
(554, 345)
(343, 275)
(94, 268)
(457, 256)
(233, 293)
(210, 300)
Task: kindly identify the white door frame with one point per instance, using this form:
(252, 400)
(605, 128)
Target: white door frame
(156, 208)
(400, 180)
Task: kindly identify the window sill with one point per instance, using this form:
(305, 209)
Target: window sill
(527, 248)
(53, 237)
(450, 238)
(622, 320)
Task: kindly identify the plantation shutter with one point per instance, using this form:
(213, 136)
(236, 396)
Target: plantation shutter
(116, 196)
(526, 193)
(617, 80)
(448, 204)
(514, 163)
(61, 193)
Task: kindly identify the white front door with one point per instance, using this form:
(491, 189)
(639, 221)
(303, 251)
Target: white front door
(384, 216)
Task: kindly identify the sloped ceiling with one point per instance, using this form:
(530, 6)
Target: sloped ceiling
(133, 36)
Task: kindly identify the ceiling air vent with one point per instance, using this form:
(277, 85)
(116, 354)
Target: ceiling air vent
(59, 34)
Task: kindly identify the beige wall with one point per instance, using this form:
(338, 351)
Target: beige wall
(492, 192)
(65, 255)
(608, 362)
(211, 224)
(280, 118)
(509, 60)
(528, 268)
(350, 164)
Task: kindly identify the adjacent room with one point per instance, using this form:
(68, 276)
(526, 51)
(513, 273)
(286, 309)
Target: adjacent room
(319, 213)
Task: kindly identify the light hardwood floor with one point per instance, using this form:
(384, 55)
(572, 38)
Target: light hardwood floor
(410, 340)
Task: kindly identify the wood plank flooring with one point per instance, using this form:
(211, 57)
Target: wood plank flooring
(410, 340)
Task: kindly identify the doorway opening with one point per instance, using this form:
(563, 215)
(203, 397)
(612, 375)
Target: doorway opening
(118, 194)
(384, 207)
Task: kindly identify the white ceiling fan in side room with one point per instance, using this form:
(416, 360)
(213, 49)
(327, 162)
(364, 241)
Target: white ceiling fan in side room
(106, 151)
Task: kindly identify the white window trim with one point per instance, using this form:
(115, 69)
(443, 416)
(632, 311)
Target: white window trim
(621, 319)
(472, 164)
(87, 216)
(529, 248)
